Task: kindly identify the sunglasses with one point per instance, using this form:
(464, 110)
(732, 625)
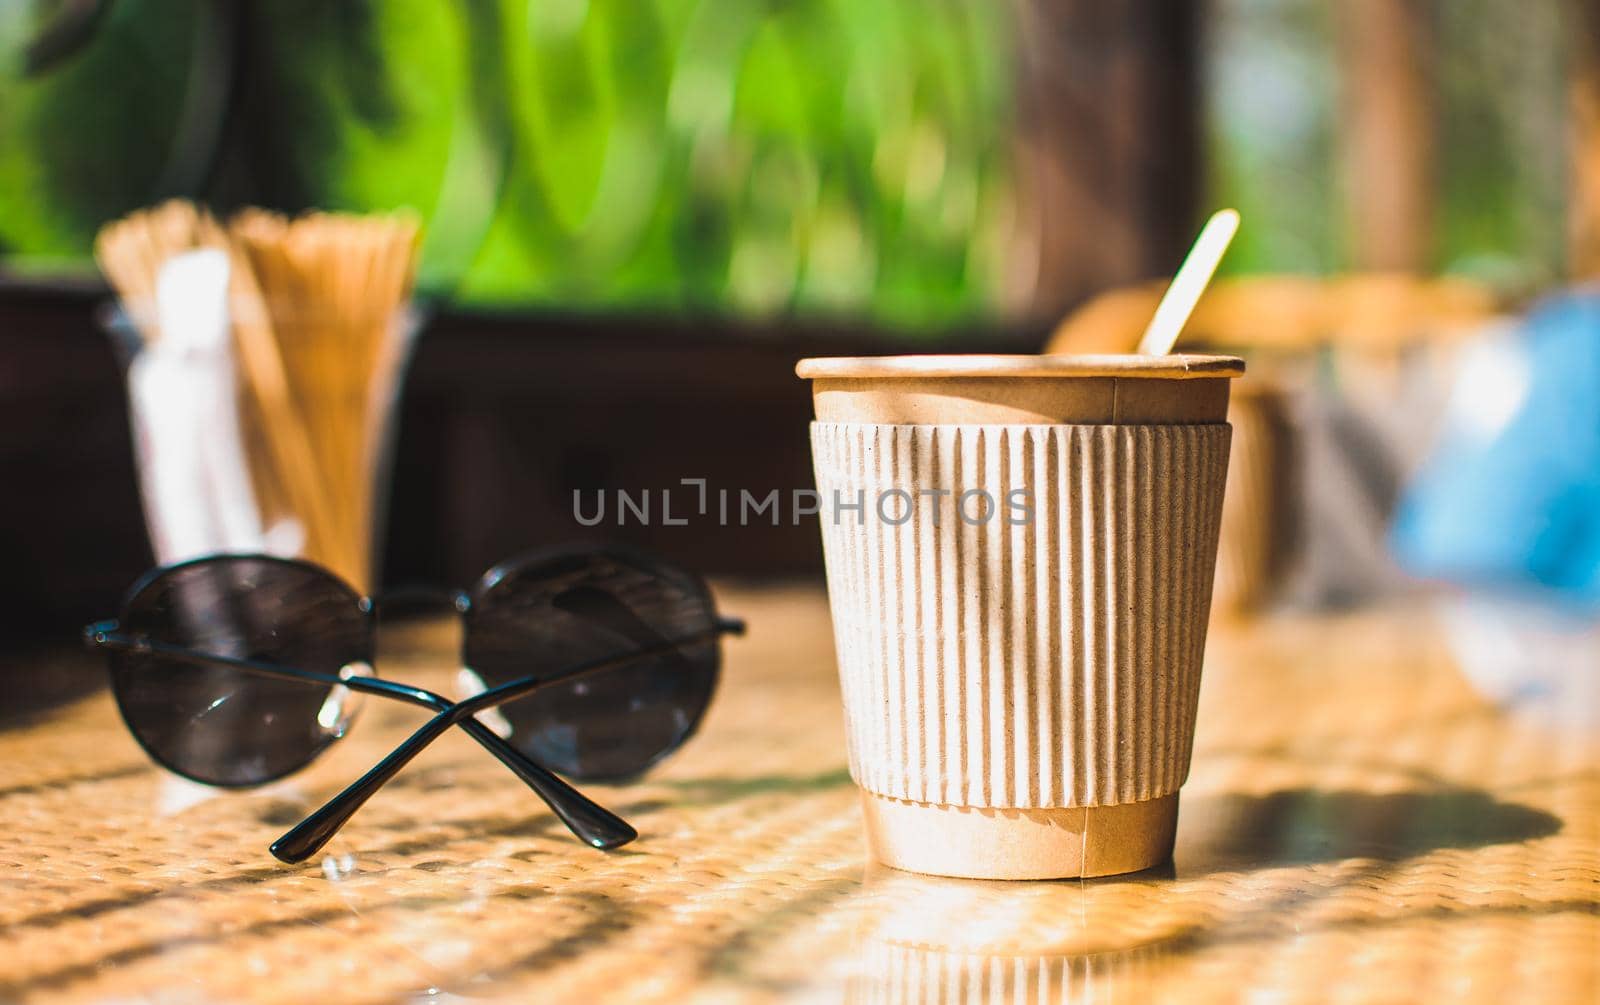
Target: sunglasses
(238, 670)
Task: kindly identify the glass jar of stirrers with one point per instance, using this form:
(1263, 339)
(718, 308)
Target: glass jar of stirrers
(264, 362)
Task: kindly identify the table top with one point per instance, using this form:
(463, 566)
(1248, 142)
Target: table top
(1359, 824)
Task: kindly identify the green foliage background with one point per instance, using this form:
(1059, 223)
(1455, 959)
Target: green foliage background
(756, 157)
(811, 156)
(1272, 102)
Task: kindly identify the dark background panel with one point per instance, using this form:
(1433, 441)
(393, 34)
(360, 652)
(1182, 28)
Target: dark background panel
(501, 419)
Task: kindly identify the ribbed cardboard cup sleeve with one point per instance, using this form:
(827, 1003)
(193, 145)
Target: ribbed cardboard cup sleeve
(1020, 610)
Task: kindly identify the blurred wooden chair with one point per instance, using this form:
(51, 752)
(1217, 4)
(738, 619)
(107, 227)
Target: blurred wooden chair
(1369, 335)
(1364, 311)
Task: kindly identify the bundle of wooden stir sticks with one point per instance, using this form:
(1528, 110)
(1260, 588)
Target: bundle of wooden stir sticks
(316, 311)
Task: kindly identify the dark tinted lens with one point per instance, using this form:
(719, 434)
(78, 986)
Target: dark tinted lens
(224, 726)
(547, 614)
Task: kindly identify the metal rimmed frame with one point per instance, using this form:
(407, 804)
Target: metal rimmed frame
(590, 822)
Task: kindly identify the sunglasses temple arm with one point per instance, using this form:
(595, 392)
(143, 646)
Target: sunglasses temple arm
(307, 837)
(102, 636)
(591, 822)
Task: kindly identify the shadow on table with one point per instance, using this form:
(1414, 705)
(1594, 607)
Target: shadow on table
(1236, 831)
(1304, 826)
(716, 791)
(1119, 935)
(35, 683)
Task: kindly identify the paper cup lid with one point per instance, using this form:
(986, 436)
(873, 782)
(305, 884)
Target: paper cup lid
(1181, 366)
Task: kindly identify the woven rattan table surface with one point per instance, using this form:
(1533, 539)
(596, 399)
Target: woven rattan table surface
(1358, 825)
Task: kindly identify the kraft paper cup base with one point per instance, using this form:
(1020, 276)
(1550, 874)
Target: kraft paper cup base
(971, 842)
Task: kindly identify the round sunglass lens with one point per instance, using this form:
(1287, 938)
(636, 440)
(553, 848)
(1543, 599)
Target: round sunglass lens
(545, 615)
(224, 726)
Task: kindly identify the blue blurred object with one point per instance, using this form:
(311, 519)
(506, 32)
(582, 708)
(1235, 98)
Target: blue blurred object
(1511, 493)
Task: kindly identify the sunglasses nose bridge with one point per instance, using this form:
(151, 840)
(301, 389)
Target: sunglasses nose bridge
(404, 599)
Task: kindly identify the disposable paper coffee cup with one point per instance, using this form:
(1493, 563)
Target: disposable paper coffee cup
(1020, 553)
